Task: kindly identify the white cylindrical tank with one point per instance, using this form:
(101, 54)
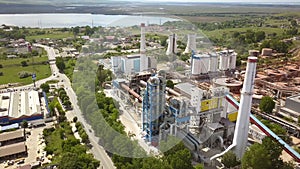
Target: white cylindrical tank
(191, 43)
(232, 61)
(204, 63)
(224, 61)
(213, 63)
(200, 64)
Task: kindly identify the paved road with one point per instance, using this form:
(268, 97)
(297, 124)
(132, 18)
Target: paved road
(97, 150)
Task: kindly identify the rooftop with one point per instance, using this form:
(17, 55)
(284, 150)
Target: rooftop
(4, 104)
(228, 82)
(185, 88)
(19, 103)
(295, 98)
(12, 149)
(11, 135)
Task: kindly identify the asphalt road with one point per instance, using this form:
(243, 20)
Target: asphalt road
(97, 150)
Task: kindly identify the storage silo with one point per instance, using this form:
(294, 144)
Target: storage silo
(200, 64)
(213, 62)
(232, 60)
(223, 61)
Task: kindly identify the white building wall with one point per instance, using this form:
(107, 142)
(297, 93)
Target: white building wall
(196, 97)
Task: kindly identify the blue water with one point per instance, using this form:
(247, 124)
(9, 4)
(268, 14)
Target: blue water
(60, 20)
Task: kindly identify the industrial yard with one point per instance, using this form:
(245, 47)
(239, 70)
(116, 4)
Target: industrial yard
(202, 109)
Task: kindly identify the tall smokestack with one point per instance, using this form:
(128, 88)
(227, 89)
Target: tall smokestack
(142, 42)
(240, 139)
(242, 124)
(143, 58)
(191, 43)
(172, 45)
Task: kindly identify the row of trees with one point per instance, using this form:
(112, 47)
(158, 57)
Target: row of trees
(82, 133)
(64, 98)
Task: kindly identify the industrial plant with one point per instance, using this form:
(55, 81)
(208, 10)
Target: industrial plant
(201, 109)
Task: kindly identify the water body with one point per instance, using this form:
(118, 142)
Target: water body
(60, 20)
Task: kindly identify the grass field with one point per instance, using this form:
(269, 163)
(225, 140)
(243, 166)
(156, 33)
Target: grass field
(12, 67)
(51, 35)
(219, 33)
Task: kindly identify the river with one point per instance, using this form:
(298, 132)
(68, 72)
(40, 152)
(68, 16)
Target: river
(60, 20)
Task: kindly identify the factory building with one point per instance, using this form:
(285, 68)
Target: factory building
(131, 64)
(153, 105)
(12, 144)
(291, 108)
(126, 64)
(20, 105)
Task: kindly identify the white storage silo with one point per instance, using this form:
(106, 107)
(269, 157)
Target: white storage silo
(213, 62)
(224, 61)
(200, 64)
(232, 61)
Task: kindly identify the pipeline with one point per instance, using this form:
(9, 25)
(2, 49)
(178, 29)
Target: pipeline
(267, 131)
(132, 92)
(167, 89)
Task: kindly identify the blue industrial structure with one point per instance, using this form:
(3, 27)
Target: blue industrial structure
(154, 105)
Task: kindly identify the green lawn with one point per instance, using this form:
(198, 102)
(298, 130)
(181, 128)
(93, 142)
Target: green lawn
(17, 61)
(219, 33)
(11, 68)
(52, 35)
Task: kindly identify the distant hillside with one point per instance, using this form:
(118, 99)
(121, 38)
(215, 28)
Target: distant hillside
(59, 2)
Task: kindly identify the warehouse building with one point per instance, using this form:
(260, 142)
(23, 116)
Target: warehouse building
(18, 106)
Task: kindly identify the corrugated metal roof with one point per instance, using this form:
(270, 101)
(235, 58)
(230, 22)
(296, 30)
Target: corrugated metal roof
(12, 149)
(11, 135)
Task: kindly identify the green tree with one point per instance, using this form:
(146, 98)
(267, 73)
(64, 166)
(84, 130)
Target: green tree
(265, 155)
(75, 31)
(1, 66)
(170, 84)
(267, 104)
(60, 64)
(199, 166)
(294, 23)
(259, 36)
(75, 119)
(24, 63)
(70, 161)
(24, 124)
(230, 160)
(45, 87)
